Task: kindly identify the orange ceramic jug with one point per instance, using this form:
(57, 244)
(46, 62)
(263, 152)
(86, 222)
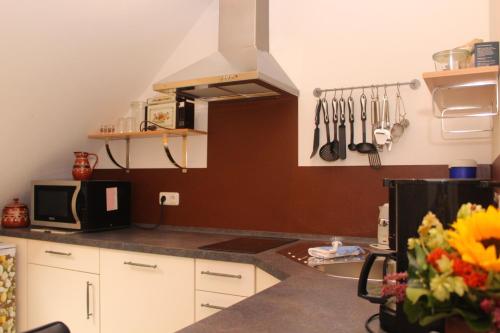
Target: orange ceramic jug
(81, 168)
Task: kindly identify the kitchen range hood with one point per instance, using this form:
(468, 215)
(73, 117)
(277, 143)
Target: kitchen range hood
(242, 67)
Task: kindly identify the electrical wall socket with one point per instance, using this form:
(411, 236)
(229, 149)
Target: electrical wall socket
(172, 198)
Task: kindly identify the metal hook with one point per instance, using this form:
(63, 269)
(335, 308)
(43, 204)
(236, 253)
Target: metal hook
(350, 94)
(385, 90)
(335, 93)
(398, 93)
(373, 91)
(341, 93)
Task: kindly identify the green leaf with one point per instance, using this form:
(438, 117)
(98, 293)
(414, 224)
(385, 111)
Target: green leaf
(413, 311)
(420, 257)
(424, 321)
(414, 294)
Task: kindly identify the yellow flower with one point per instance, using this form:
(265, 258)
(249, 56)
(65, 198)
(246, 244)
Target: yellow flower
(431, 232)
(468, 233)
(430, 221)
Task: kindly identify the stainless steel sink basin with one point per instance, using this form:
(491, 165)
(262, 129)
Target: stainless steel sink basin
(352, 269)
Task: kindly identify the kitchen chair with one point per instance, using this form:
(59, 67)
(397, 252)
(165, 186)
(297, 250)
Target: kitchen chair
(55, 327)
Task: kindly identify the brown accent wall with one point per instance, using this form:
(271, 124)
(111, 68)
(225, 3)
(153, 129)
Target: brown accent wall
(253, 181)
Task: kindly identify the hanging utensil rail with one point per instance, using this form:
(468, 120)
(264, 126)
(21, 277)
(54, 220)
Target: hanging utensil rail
(414, 84)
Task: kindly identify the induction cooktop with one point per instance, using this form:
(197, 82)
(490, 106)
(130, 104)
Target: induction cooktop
(250, 245)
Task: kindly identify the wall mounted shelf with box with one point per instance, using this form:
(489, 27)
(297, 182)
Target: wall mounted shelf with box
(165, 134)
(469, 93)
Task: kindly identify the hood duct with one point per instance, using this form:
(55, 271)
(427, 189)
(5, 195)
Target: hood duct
(242, 67)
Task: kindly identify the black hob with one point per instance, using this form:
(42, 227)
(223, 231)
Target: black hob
(250, 245)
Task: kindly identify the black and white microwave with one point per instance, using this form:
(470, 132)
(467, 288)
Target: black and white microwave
(80, 205)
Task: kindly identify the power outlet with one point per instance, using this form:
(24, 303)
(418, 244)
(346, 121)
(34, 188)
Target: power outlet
(172, 198)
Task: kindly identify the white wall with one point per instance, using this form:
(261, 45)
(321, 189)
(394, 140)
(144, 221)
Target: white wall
(199, 41)
(342, 43)
(67, 66)
(334, 43)
(495, 36)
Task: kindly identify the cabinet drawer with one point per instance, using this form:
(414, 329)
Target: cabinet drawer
(225, 277)
(144, 292)
(208, 303)
(75, 257)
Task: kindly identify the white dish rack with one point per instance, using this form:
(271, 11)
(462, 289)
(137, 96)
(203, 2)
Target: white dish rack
(471, 94)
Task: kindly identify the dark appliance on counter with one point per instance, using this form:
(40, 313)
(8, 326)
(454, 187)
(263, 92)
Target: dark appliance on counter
(86, 205)
(409, 201)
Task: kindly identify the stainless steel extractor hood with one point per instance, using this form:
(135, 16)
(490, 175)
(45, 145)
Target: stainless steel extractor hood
(242, 67)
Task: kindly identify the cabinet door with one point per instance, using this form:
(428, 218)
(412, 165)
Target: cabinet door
(208, 303)
(21, 280)
(56, 294)
(145, 292)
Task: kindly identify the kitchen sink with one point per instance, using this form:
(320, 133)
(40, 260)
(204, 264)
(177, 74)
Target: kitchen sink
(347, 267)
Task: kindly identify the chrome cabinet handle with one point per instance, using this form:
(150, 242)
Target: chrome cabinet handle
(89, 314)
(131, 263)
(222, 274)
(58, 253)
(210, 306)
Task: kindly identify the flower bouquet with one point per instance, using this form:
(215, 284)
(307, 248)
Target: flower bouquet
(454, 272)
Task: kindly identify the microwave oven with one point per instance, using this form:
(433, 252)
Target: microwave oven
(86, 205)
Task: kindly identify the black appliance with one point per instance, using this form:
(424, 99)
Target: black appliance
(252, 245)
(409, 201)
(80, 205)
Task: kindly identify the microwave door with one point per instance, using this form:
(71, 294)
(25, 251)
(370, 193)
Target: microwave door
(56, 205)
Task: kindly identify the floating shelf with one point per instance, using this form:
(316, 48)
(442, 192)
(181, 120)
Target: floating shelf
(147, 134)
(460, 76)
(164, 134)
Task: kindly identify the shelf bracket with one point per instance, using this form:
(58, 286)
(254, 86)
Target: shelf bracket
(127, 155)
(170, 156)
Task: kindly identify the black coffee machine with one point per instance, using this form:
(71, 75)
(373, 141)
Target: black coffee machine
(409, 201)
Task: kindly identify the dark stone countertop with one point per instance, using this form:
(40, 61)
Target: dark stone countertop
(305, 301)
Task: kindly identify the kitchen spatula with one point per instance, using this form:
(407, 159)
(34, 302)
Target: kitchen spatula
(342, 136)
(316, 130)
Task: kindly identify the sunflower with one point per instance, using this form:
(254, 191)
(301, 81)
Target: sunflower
(470, 233)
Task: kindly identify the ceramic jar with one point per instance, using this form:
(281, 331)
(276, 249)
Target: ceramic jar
(81, 168)
(15, 215)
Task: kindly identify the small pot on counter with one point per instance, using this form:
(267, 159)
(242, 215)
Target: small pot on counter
(15, 215)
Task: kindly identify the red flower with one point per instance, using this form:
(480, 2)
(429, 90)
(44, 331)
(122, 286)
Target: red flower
(435, 255)
(396, 290)
(473, 276)
(487, 305)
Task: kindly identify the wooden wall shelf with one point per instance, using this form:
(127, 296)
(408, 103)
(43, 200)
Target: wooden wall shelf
(460, 76)
(164, 134)
(147, 134)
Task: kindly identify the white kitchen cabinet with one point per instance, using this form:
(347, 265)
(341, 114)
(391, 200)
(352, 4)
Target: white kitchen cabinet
(208, 303)
(21, 280)
(56, 294)
(145, 292)
(225, 277)
(68, 256)
(264, 280)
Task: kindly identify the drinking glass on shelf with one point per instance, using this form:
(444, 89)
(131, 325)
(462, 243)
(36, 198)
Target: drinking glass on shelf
(130, 124)
(121, 125)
